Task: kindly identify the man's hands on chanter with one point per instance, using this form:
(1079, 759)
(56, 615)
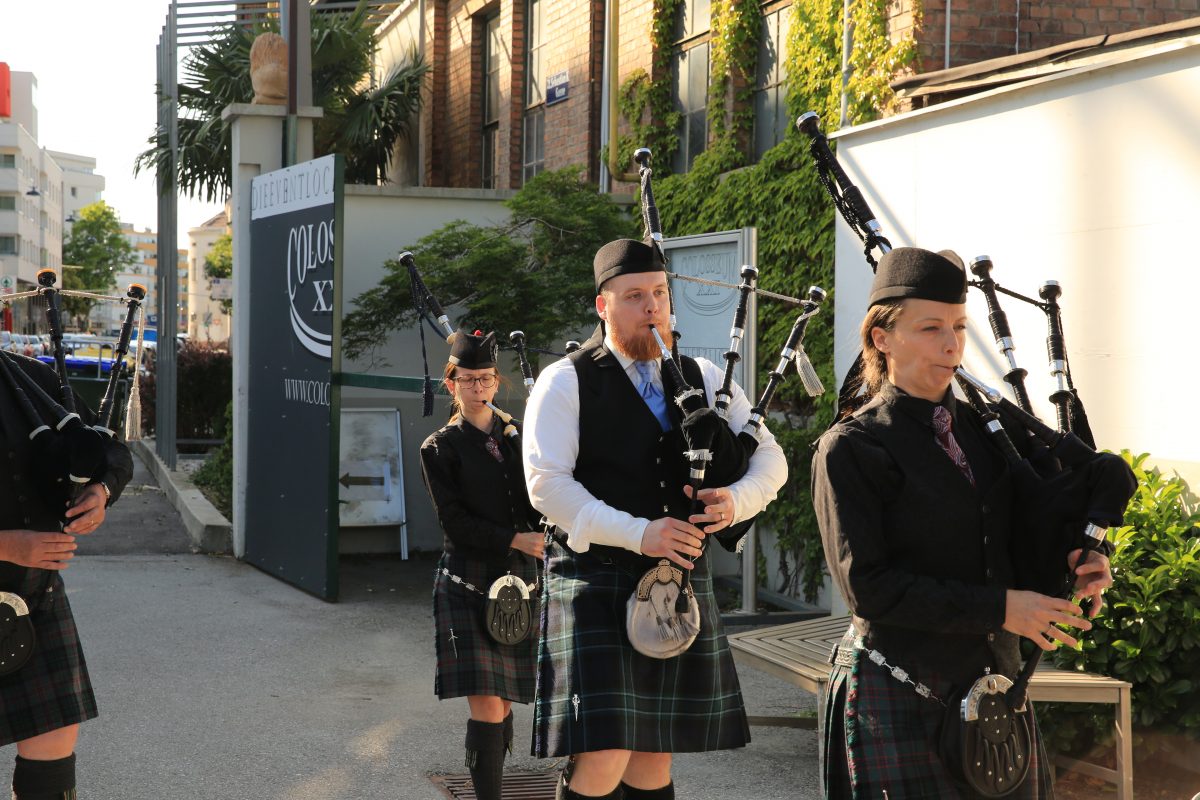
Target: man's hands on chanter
(718, 509)
(88, 510)
(37, 549)
(674, 539)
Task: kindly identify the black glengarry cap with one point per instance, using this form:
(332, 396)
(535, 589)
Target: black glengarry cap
(922, 274)
(624, 257)
(473, 351)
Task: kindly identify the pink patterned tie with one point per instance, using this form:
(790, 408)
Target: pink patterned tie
(941, 432)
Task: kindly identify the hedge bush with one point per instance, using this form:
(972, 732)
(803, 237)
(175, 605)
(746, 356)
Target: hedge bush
(204, 387)
(1149, 630)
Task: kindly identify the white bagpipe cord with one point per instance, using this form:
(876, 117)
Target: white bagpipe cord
(133, 410)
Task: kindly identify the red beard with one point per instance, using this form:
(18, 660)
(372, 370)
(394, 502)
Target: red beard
(638, 344)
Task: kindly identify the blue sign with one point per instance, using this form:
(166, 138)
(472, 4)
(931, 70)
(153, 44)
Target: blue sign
(556, 88)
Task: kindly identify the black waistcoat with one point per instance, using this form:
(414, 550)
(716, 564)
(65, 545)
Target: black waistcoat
(625, 459)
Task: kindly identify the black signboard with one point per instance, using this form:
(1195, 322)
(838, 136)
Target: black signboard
(292, 447)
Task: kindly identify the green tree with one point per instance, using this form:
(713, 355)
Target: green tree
(219, 264)
(362, 121)
(93, 253)
(533, 272)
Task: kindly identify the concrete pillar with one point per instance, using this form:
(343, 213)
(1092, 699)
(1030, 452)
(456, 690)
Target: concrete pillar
(258, 144)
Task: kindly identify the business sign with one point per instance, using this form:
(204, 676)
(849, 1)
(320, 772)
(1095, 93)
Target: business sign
(291, 502)
(221, 289)
(704, 312)
(556, 88)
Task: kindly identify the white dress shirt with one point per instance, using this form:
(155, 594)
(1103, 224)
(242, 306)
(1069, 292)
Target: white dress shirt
(550, 443)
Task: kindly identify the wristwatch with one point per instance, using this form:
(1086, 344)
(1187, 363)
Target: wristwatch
(107, 493)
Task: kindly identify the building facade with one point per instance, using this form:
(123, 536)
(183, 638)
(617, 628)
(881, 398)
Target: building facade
(40, 190)
(207, 320)
(106, 318)
(518, 86)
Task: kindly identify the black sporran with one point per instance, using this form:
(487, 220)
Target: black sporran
(16, 633)
(984, 742)
(508, 611)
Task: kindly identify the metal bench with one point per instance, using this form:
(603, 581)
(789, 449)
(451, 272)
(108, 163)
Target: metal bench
(798, 652)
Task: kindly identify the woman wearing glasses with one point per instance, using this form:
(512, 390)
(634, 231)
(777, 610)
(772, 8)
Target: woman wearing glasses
(486, 649)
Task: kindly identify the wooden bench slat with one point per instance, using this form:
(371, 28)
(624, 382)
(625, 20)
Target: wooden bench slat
(798, 652)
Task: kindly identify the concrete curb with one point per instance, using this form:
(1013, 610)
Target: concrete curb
(207, 527)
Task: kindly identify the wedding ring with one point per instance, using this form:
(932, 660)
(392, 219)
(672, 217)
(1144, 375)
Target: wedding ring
(721, 516)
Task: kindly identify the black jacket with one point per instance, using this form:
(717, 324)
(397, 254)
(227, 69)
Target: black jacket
(921, 556)
(24, 505)
(480, 502)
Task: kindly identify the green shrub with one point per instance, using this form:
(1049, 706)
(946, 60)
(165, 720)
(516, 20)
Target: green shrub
(215, 477)
(1149, 631)
(203, 388)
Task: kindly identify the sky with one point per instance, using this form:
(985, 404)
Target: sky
(95, 67)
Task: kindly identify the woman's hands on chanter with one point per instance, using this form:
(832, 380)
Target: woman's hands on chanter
(1037, 617)
(531, 543)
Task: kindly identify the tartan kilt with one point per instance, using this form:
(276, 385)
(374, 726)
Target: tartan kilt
(53, 690)
(880, 736)
(595, 692)
(473, 663)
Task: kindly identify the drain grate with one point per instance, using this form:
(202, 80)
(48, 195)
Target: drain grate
(517, 785)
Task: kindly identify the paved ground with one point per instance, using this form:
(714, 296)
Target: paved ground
(218, 681)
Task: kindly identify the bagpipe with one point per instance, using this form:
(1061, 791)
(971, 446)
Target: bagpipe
(429, 311)
(1070, 492)
(68, 454)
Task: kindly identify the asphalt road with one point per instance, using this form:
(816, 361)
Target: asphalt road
(217, 681)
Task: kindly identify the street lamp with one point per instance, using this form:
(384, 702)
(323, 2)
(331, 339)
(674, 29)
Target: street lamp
(33, 191)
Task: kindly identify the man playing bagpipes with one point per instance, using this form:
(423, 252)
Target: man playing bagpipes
(633, 664)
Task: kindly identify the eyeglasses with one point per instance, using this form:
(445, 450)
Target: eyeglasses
(485, 381)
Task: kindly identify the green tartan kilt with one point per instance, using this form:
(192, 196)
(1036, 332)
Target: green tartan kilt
(52, 690)
(595, 692)
(881, 737)
(469, 661)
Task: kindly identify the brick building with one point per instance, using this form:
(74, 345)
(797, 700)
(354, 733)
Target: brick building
(518, 86)
(986, 29)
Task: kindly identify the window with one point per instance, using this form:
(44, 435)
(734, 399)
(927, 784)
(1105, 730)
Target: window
(8, 203)
(8, 161)
(690, 81)
(8, 246)
(533, 135)
(73, 192)
(770, 97)
(492, 49)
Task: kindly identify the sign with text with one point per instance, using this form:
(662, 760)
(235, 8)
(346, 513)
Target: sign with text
(704, 312)
(291, 504)
(557, 86)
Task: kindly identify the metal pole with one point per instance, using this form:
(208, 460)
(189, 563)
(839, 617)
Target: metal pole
(168, 258)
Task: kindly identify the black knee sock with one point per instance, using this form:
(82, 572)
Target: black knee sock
(508, 732)
(567, 794)
(563, 790)
(44, 780)
(665, 793)
(485, 757)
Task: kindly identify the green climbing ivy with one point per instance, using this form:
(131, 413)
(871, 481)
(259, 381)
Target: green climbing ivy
(781, 197)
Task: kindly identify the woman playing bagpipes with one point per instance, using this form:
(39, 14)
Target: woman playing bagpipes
(43, 702)
(485, 591)
(919, 514)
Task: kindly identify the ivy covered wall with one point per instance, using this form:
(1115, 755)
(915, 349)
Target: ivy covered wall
(779, 195)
